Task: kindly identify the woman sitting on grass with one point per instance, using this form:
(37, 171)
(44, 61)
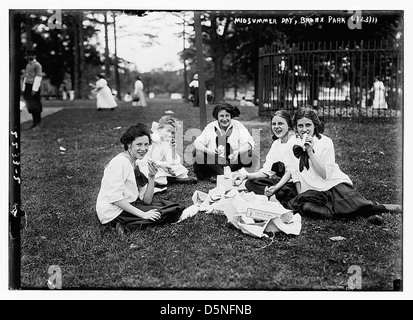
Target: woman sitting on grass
(223, 143)
(125, 199)
(275, 176)
(324, 191)
(163, 153)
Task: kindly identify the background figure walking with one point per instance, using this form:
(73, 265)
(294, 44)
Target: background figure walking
(104, 96)
(31, 87)
(138, 94)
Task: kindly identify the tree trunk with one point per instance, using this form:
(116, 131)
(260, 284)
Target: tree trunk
(218, 74)
(82, 63)
(186, 93)
(218, 49)
(107, 61)
(117, 82)
(255, 61)
(76, 67)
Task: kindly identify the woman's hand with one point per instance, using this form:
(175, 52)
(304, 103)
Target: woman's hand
(239, 178)
(152, 168)
(220, 152)
(152, 215)
(233, 156)
(309, 144)
(269, 191)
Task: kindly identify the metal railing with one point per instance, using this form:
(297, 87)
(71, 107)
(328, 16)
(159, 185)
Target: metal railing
(339, 79)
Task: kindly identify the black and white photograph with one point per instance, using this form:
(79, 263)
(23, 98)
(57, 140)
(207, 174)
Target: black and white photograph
(197, 152)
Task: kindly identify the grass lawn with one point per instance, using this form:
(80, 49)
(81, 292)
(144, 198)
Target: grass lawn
(59, 193)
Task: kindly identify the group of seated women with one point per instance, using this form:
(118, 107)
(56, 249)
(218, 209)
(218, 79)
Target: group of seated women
(300, 170)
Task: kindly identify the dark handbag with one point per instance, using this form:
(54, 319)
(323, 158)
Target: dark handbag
(135, 97)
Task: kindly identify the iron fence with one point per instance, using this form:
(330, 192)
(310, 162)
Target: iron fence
(339, 79)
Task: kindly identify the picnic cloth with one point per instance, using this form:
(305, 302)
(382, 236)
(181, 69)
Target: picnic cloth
(253, 214)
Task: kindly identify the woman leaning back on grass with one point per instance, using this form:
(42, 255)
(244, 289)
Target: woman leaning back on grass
(125, 199)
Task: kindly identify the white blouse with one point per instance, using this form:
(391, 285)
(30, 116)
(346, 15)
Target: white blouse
(161, 150)
(278, 152)
(309, 179)
(118, 183)
(239, 137)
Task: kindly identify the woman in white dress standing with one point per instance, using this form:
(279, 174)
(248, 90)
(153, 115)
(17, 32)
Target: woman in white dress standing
(138, 94)
(104, 97)
(379, 101)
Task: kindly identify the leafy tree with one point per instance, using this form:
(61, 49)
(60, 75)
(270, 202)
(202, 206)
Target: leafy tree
(57, 49)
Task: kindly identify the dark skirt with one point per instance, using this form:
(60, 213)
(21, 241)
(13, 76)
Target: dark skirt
(170, 212)
(283, 195)
(34, 104)
(206, 166)
(342, 201)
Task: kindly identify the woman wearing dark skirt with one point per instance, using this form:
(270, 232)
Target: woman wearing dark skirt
(323, 189)
(125, 199)
(274, 178)
(225, 142)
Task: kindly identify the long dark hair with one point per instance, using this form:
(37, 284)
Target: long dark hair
(309, 113)
(133, 132)
(286, 116)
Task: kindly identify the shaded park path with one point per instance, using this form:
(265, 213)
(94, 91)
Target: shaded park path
(26, 116)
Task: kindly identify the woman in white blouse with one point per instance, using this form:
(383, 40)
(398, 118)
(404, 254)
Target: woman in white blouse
(223, 142)
(275, 177)
(324, 190)
(125, 200)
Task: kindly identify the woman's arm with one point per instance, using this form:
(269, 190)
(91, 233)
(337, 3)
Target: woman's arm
(199, 146)
(126, 206)
(202, 140)
(240, 177)
(147, 198)
(285, 178)
(245, 147)
(298, 187)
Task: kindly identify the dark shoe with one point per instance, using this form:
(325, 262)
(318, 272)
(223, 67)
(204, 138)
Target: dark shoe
(315, 210)
(112, 109)
(99, 109)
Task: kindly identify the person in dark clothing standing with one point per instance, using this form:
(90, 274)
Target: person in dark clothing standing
(194, 90)
(31, 87)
